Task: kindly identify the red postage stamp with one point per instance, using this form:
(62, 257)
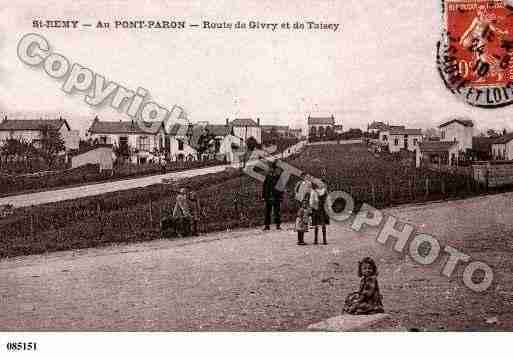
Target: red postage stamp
(478, 50)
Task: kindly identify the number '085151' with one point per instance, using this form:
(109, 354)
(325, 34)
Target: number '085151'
(21, 346)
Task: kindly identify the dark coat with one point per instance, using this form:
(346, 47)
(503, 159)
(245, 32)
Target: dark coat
(269, 191)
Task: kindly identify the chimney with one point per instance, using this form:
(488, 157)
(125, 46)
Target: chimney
(258, 122)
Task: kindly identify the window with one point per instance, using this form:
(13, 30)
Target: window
(415, 141)
(442, 135)
(103, 140)
(396, 141)
(385, 137)
(144, 143)
(180, 145)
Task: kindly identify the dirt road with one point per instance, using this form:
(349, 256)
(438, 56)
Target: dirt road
(36, 198)
(254, 280)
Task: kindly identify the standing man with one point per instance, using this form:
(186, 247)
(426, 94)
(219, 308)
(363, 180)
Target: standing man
(272, 197)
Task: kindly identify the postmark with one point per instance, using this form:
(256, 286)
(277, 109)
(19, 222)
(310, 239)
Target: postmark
(475, 53)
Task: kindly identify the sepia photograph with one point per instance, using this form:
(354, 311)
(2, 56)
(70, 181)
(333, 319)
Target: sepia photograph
(325, 170)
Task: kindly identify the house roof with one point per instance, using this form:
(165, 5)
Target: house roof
(503, 139)
(321, 120)
(466, 123)
(123, 127)
(436, 146)
(243, 122)
(31, 125)
(406, 131)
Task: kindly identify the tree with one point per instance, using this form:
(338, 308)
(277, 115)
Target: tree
(206, 143)
(122, 151)
(51, 144)
(10, 148)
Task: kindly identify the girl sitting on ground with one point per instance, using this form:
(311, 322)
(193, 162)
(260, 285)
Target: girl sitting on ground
(368, 299)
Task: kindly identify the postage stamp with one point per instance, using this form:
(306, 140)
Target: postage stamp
(475, 55)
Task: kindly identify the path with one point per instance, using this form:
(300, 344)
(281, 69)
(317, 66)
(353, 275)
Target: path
(37, 198)
(29, 199)
(254, 280)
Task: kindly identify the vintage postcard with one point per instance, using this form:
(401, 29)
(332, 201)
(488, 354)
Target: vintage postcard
(255, 166)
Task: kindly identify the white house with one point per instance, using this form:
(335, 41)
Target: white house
(141, 140)
(384, 134)
(502, 147)
(31, 131)
(459, 130)
(437, 153)
(180, 148)
(404, 138)
(320, 126)
(245, 128)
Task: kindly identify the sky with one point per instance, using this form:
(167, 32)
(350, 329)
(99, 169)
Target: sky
(378, 66)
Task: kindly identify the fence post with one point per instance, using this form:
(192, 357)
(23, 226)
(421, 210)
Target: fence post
(409, 188)
(427, 187)
(373, 194)
(32, 226)
(151, 216)
(414, 187)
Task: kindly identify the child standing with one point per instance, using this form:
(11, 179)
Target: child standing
(318, 196)
(368, 299)
(301, 225)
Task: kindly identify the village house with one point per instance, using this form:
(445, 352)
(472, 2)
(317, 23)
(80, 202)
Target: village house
(437, 153)
(404, 138)
(384, 134)
(245, 128)
(460, 131)
(141, 142)
(396, 138)
(179, 147)
(222, 145)
(502, 147)
(321, 126)
(31, 131)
